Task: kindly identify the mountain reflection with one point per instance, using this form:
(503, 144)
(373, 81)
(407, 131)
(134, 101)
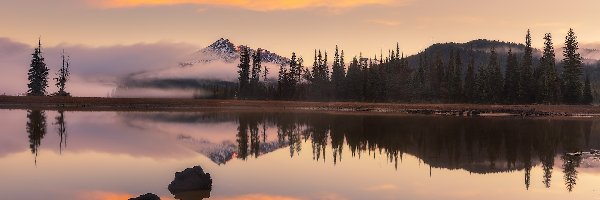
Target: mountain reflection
(477, 145)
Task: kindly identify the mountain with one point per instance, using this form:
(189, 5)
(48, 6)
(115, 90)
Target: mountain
(480, 51)
(224, 50)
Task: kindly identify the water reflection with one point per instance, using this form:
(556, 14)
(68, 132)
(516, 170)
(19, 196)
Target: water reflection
(476, 145)
(473, 144)
(36, 128)
(61, 129)
(191, 184)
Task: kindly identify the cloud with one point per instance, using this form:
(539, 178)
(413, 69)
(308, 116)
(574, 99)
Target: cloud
(257, 5)
(94, 70)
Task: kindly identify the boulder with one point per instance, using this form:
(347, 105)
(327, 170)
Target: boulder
(190, 179)
(148, 196)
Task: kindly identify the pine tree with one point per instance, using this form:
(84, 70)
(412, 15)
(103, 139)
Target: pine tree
(354, 80)
(255, 74)
(470, 81)
(572, 64)
(511, 81)
(526, 81)
(481, 88)
(457, 76)
(437, 75)
(587, 92)
(548, 80)
(63, 76)
(337, 75)
(244, 72)
(38, 73)
(495, 77)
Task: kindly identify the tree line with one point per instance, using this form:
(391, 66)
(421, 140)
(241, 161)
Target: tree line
(435, 78)
(38, 74)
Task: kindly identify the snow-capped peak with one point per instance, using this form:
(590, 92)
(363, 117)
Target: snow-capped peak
(224, 50)
(223, 45)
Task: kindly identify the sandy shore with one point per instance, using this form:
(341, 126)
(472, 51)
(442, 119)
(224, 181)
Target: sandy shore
(189, 105)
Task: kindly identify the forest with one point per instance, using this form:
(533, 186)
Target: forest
(437, 77)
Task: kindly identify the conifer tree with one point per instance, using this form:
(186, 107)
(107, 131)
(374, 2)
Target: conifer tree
(255, 73)
(495, 77)
(63, 76)
(38, 73)
(572, 64)
(548, 80)
(244, 72)
(511, 81)
(354, 80)
(457, 76)
(469, 88)
(587, 92)
(481, 88)
(337, 75)
(437, 77)
(527, 82)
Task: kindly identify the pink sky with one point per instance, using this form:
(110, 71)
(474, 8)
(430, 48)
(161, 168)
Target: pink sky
(111, 38)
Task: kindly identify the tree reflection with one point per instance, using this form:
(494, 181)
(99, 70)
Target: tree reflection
(61, 128)
(36, 128)
(477, 145)
(570, 163)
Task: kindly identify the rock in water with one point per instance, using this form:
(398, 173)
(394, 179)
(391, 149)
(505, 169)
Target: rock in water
(148, 196)
(190, 179)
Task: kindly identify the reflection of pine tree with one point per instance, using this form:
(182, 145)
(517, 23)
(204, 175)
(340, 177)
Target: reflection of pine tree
(242, 139)
(61, 129)
(547, 165)
(36, 127)
(254, 138)
(337, 140)
(570, 163)
(319, 138)
(454, 143)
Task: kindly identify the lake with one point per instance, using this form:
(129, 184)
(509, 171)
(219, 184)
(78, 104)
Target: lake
(257, 155)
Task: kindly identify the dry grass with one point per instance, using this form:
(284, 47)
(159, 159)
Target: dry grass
(146, 104)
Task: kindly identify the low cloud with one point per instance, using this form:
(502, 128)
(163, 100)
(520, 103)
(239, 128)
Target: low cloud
(256, 5)
(94, 70)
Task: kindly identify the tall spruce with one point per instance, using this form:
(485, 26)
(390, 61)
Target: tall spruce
(481, 92)
(63, 76)
(38, 73)
(511, 81)
(572, 64)
(548, 81)
(338, 75)
(469, 88)
(587, 98)
(354, 81)
(495, 78)
(457, 93)
(244, 72)
(256, 68)
(526, 85)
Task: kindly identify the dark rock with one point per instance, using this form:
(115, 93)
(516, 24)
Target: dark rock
(190, 179)
(148, 196)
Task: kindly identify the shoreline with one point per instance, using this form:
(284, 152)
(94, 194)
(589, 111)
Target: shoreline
(195, 105)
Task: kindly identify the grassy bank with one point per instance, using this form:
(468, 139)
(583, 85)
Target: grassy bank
(184, 105)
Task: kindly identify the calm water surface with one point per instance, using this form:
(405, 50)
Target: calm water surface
(252, 155)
